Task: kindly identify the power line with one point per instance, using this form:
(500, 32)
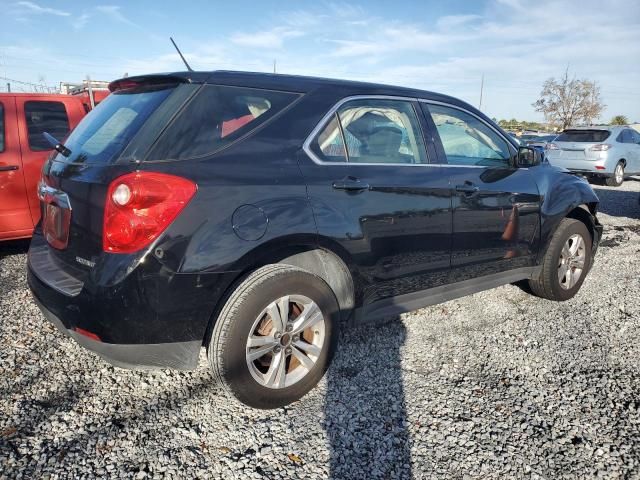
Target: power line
(30, 84)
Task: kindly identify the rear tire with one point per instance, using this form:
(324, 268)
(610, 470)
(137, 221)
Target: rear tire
(566, 262)
(250, 323)
(617, 178)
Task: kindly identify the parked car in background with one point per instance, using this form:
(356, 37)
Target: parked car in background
(526, 137)
(541, 141)
(254, 214)
(608, 153)
(24, 117)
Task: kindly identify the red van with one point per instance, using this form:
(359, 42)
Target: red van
(23, 150)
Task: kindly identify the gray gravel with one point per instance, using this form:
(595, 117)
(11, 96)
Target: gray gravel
(496, 385)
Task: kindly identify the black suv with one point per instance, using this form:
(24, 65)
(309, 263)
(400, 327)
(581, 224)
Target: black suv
(253, 214)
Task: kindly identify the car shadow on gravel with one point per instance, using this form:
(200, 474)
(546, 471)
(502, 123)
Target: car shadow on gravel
(619, 203)
(364, 413)
(13, 247)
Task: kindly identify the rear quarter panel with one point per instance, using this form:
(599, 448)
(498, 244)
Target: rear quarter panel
(250, 196)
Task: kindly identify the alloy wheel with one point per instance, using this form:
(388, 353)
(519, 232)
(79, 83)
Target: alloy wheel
(285, 341)
(619, 173)
(572, 261)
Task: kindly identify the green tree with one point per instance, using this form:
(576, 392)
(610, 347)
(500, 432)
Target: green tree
(619, 120)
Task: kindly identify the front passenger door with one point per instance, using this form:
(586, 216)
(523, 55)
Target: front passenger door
(496, 206)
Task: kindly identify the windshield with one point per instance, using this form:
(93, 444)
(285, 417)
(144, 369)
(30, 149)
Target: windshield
(583, 136)
(105, 131)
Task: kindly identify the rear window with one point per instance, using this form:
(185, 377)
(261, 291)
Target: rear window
(583, 136)
(103, 134)
(50, 117)
(1, 128)
(217, 116)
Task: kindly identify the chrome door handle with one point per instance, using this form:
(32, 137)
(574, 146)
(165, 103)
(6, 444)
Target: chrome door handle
(350, 184)
(468, 188)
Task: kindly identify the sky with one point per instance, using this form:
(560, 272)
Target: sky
(442, 46)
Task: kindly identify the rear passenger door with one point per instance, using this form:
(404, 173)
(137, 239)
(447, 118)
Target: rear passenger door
(496, 206)
(34, 118)
(375, 192)
(15, 218)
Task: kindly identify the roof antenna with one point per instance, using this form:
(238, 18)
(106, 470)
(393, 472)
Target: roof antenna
(181, 56)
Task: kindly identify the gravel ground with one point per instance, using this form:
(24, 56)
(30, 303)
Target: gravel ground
(495, 385)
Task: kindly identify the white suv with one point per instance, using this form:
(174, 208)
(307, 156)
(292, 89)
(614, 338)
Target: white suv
(605, 152)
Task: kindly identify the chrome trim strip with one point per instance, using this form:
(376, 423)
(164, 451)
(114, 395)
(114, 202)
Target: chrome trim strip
(462, 109)
(306, 146)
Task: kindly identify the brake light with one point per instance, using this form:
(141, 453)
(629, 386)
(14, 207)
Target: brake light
(140, 206)
(600, 147)
(600, 167)
(551, 146)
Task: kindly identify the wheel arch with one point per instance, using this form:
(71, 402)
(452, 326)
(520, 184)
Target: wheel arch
(325, 259)
(585, 213)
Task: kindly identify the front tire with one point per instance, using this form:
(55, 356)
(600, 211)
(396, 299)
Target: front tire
(617, 178)
(566, 262)
(274, 337)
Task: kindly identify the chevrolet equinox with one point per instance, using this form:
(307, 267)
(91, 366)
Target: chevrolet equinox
(254, 214)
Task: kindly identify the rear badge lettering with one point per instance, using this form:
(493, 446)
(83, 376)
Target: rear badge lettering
(85, 262)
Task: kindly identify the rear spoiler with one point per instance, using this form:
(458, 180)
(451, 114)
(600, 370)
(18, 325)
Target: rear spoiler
(132, 82)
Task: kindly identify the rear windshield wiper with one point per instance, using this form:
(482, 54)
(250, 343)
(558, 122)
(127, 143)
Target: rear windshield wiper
(57, 145)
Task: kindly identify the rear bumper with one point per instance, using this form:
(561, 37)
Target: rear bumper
(588, 167)
(149, 318)
(177, 355)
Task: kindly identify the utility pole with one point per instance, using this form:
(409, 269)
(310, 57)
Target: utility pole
(8, 87)
(481, 89)
(274, 65)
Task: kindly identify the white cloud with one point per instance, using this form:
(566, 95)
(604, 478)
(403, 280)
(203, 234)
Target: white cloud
(115, 13)
(34, 8)
(454, 21)
(80, 22)
(266, 39)
(515, 44)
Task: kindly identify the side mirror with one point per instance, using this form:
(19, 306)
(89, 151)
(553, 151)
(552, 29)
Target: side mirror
(528, 157)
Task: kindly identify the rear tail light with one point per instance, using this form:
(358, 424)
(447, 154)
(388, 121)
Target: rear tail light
(599, 167)
(600, 147)
(140, 206)
(551, 146)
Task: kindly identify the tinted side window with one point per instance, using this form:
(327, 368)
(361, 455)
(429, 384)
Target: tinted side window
(627, 136)
(48, 117)
(1, 128)
(623, 136)
(466, 140)
(217, 116)
(382, 131)
(329, 143)
(635, 136)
